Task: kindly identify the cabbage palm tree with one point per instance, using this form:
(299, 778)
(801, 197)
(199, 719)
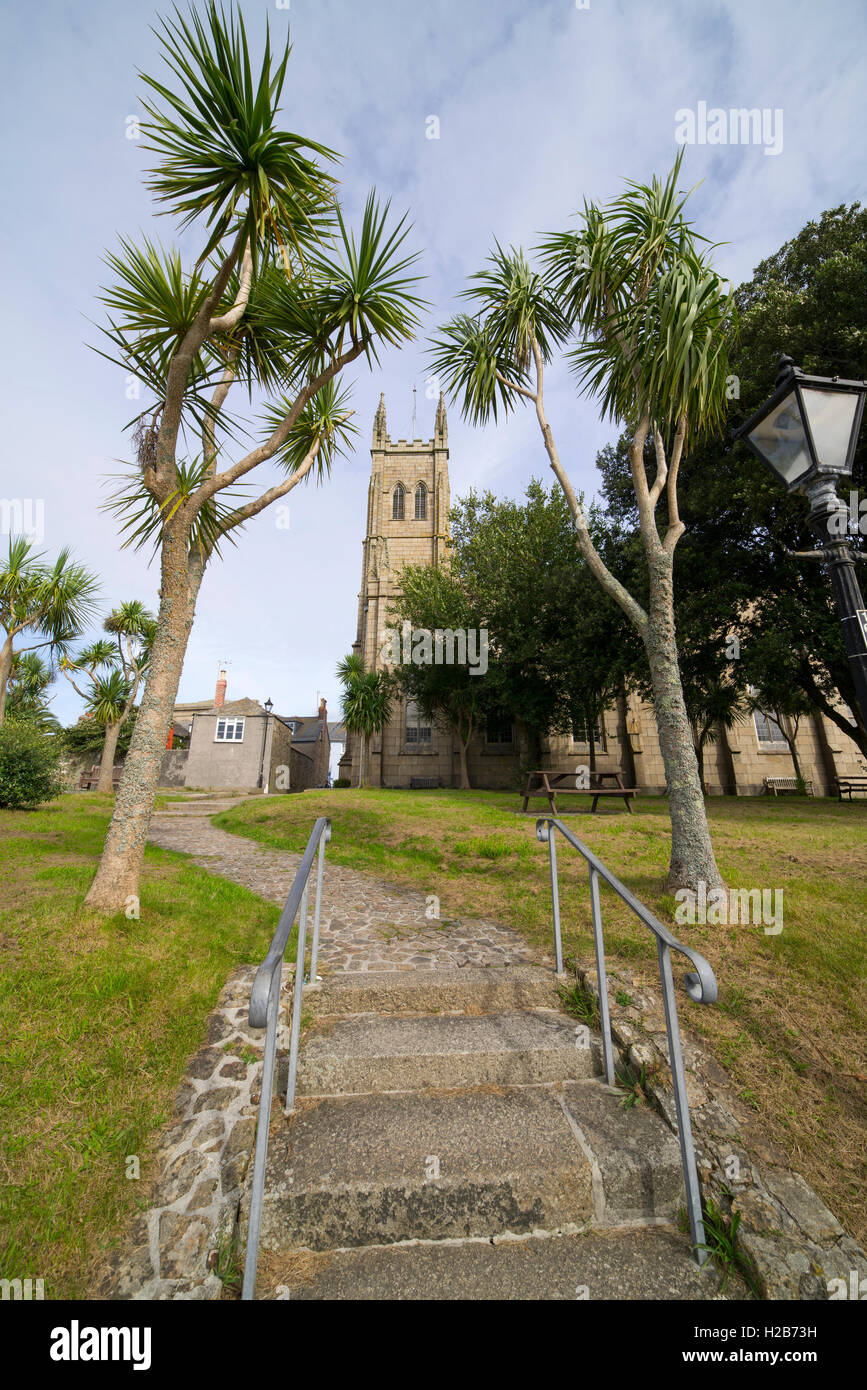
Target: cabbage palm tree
(651, 319)
(51, 602)
(110, 697)
(365, 704)
(282, 297)
(31, 677)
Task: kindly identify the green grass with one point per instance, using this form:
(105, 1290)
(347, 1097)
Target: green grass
(97, 1021)
(789, 1026)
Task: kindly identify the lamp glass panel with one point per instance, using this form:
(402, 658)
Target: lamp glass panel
(831, 415)
(782, 440)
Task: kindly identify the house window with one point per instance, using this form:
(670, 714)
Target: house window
(418, 731)
(397, 502)
(421, 503)
(581, 733)
(229, 731)
(499, 731)
(767, 728)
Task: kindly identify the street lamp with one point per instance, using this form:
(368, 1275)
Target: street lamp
(269, 705)
(806, 435)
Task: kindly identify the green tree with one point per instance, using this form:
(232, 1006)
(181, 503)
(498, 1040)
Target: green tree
(29, 763)
(26, 703)
(365, 704)
(281, 298)
(652, 319)
(50, 602)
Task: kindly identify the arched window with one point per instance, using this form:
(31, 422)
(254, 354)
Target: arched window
(421, 503)
(397, 503)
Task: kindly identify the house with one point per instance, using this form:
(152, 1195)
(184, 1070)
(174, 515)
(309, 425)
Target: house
(242, 745)
(407, 523)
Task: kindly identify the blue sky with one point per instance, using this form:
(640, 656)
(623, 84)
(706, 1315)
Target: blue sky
(540, 105)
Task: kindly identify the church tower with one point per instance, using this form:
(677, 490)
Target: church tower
(407, 521)
(408, 505)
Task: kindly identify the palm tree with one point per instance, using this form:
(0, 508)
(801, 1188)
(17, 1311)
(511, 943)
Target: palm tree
(281, 298)
(651, 320)
(110, 698)
(52, 602)
(31, 677)
(365, 704)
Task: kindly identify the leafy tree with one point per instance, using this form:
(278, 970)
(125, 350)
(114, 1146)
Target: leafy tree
(51, 602)
(29, 765)
(652, 320)
(282, 297)
(26, 703)
(365, 704)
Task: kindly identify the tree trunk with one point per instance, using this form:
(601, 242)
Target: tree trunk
(466, 785)
(692, 856)
(117, 878)
(5, 674)
(623, 737)
(106, 764)
(591, 744)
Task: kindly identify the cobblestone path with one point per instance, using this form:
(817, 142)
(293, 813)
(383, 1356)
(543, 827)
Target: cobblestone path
(366, 924)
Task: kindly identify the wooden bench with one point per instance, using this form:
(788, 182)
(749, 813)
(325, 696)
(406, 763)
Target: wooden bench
(88, 780)
(550, 785)
(419, 783)
(847, 785)
(779, 785)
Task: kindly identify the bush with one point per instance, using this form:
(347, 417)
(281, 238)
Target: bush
(340, 782)
(29, 766)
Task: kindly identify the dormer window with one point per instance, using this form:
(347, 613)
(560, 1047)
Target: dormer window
(421, 503)
(397, 503)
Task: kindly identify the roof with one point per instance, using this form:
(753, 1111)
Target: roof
(337, 731)
(307, 727)
(244, 706)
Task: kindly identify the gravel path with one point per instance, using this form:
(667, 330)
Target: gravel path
(366, 924)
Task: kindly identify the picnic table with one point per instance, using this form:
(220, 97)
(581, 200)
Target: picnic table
(553, 784)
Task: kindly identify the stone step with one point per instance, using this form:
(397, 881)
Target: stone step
(379, 1169)
(373, 1053)
(654, 1263)
(471, 989)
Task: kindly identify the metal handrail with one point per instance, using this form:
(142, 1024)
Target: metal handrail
(701, 987)
(264, 1011)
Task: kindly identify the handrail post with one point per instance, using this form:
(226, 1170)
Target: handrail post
(296, 1002)
(317, 908)
(555, 901)
(601, 977)
(681, 1103)
(251, 1260)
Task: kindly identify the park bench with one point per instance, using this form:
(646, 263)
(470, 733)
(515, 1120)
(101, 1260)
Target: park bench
(551, 785)
(418, 783)
(779, 785)
(847, 785)
(88, 780)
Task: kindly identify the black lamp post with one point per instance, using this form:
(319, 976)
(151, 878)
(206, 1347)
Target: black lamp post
(806, 434)
(269, 705)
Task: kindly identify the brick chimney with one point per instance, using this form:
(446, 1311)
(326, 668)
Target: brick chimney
(220, 695)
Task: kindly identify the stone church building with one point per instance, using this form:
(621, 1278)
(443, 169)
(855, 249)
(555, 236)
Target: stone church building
(407, 523)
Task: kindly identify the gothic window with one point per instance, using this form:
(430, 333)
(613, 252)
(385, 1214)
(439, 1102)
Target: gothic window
(581, 733)
(767, 728)
(499, 731)
(417, 730)
(421, 503)
(397, 503)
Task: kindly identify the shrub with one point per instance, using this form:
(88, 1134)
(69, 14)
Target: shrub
(29, 766)
(340, 782)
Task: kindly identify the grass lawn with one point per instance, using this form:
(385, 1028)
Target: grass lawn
(97, 1019)
(789, 1025)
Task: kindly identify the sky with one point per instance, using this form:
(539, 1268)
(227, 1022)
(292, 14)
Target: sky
(538, 107)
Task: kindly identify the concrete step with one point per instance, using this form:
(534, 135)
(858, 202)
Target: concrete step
(648, 1264)
(472, 989)
(372, 1053)
(379, 1169)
